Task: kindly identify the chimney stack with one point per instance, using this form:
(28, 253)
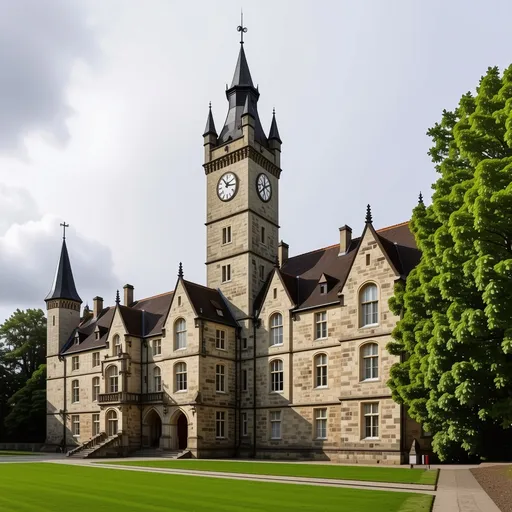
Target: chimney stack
(345, 239)
(282, 252)
(98, 306)
(128, 294)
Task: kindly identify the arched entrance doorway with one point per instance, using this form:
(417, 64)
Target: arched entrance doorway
(182, 428)
(154, 423)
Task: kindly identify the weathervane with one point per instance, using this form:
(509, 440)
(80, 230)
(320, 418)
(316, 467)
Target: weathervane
(241, 27)
(64, 226)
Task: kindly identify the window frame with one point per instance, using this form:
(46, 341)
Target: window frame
(75, 391)
(245, 380)
(96, 389)
(276, 328)
(157, 347)
(75, 425)
(276, 376)
(321, 370)
(180, 334)
(220, 378)
(111, 421)
(117, 345)
(180, 377)
(372, 305)
(245, 424)
(321, 421)
(220, 424)
(113, 379)
(374, 357)
(226, 273)
(227, 237)
(75, 363)
(275, 419)
(157, 379)
(321, 326)
(220, 339)
(96, 424)
(373, 424)
(263, 235)
(96, 359)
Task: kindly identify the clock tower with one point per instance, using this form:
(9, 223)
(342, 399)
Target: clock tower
(242, 166)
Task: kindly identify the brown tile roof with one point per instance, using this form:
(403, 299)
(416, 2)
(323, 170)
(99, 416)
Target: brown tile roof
(302, 273)
(155, 309)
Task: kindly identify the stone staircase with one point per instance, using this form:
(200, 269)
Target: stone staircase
(95, 447)
(154, 453)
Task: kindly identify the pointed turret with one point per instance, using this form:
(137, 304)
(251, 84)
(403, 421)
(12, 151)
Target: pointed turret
(242, 75)
(273, 134)
(64, 284)
(210, 125)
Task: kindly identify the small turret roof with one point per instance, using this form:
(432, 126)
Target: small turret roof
(64, 285)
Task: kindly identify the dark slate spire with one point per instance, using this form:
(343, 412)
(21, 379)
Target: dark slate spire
(242, 91)
(369, 219)
(210, 125)
(64, 285)
(118, 299)
(180, 271)
(274, 132)
(420, 199)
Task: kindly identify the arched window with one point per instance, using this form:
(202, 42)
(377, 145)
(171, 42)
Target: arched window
(112, 379)
(369, 305)
(369, 361)
(112, 423)
(321, 371)
(276, 329)
(276, 375)
(157, 378)
(220, 378)
(95, 389)
(75, 391)
(180, 370)
(180, 334)
(117, 345)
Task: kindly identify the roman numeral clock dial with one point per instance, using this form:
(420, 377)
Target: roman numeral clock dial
(264, 187)
(227, 186)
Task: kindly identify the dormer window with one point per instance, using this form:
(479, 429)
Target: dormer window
(77, 339)
(219, 312)
(97, 335)
(323, 288)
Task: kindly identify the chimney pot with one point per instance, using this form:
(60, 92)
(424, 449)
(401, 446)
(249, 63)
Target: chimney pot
(282, 252)
(98, 306)
(128, 294)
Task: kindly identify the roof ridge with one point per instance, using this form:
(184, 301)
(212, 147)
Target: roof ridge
(200, 285)
(393, 226)
(152, 297)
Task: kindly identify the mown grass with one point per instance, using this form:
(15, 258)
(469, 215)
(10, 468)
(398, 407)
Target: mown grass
(363, 473)
(48, 487)
(12, 452)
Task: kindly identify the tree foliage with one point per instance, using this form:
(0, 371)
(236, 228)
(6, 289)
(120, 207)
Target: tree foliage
(22, 357)
(456, 308)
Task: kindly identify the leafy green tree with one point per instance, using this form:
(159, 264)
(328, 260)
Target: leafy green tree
(455, 332)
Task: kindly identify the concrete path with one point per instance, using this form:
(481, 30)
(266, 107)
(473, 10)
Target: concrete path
(458, 491)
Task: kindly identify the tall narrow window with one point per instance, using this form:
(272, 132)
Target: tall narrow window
(371, 420)
(276, 376)
(180, 336)
(276, 329)
(369, 305)
(244, 380)
(245, 424)
(117, 345)
(95, 359)
(370, 361)
(262, 235)
(220, 378)
(275, 424)
(226, 273)
(157, 379)
(321, 325)
(95, 424)
(113, 379)
(220, 339)
(226, 235)
(75, 363)
(262, 272)
(180, 370)
(157, 347)
(112, 423)
(220, 424)
(321, 371)
(321, 423)
(75, 391)
(75, 425)
(95, 389)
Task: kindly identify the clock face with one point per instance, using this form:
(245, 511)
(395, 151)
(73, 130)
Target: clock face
(264, 187)
(227, 186)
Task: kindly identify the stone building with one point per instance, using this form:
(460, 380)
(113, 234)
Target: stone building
(278, 356)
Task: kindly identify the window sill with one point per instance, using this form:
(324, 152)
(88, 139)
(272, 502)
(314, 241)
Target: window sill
(223, 349)
(320, 438)
(181, 391)
(221, 392)
(275, 438)
(276, 345)
(367, 326)
(370, 439)
(220, 438)
(321, 387)
(323, 338)
(376, 379)
(224, 282)
(181, 348)
(276, 392)
(157, 355)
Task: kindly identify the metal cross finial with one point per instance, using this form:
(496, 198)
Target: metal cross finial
(420, 198)
(368, 214)
(64, 226)
(118, 299)
(180, 271)
(241, 27)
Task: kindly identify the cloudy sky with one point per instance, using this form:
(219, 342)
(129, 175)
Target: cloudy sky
(103, 104)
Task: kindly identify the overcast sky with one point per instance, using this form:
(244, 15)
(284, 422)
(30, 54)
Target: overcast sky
(103, 106)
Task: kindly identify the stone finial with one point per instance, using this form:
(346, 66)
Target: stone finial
(118, 299)
(276, 261)
(369, 219)
(420, 199)
(180, 271)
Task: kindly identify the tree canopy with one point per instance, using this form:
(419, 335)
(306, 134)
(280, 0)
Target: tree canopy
(456, 307)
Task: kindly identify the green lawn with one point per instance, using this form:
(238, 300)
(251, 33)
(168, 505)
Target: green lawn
(10, 453)
(365, 473)
(49, 487)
